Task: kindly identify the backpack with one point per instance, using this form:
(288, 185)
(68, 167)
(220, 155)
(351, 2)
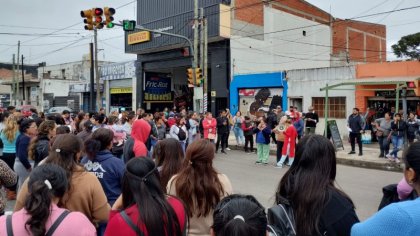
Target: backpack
(181, 134)
(390, 195)
(281, 220)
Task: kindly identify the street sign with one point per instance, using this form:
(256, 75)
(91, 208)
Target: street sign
(335, 134)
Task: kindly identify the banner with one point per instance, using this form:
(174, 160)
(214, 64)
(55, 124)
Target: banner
(157, 87)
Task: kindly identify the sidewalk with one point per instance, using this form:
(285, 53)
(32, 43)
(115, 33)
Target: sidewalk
(369, 159)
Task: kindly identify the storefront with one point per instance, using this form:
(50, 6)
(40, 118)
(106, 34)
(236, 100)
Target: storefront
(119, 83)
(158, 91)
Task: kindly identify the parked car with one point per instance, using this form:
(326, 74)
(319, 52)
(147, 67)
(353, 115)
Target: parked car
(25, 110)
(59, 110)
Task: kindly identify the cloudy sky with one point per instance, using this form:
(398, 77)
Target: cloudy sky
(37, 25)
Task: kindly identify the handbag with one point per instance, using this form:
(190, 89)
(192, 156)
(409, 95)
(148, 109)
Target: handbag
(211, 136)
(379, 133)
(281, 219)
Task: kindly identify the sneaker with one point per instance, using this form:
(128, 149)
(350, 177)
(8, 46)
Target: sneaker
(360, 154)
(228, 149)
(397, 161)
(352, 152)
(279, 165)
(223, 151)
(265, 163)
(381, 156)
(258, 162)
(390, 158)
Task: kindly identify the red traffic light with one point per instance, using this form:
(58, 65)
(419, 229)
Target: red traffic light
(98, 11)
(98, 19)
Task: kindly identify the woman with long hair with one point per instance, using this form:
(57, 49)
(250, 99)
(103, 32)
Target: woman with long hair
(8, 136)
(85, 194)
(100, 161)
(199, 186)
(143, 208)
(308, 186)
(41, 215)
(168, 156)
(239, 215)
(40, 145)
(400, 218)
(23, 165)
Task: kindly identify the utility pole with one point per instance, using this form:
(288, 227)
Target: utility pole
(23, 82)
(205, 68)
(92, 83)
(17, 78)
(195, 58)
(98, 91)
(14, 81)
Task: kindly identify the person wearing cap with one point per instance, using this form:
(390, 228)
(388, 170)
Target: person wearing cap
(311, 120)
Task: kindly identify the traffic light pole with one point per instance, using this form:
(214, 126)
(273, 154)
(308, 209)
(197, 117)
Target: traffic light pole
(98, 91)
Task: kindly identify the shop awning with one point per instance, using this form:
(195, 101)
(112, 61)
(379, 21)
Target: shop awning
(398, 81)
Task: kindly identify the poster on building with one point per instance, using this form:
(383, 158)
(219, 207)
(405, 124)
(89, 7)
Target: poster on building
(253, 101)
(116, 71)
(157, 88)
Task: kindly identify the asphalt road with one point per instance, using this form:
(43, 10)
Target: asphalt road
(364, 186)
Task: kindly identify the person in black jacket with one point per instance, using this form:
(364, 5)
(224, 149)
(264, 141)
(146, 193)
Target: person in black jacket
(412, 127)
(356, 125)
(222, 131)
(308, 188)
(311, 120)
(40, 146)
(398, 129)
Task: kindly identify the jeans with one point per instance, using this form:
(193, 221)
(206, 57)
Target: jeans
(353, 138)
(383, 144)
(249, 139)
(21, 172)
(263, 151)
(397, 142)
(239, 135)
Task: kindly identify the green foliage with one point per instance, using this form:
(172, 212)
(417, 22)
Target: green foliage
(408, 46)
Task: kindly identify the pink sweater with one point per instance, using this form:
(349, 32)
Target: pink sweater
(66, 228)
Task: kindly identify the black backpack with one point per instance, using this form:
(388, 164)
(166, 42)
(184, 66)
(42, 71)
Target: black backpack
(281, 220)
(181, 134)
(390, 195)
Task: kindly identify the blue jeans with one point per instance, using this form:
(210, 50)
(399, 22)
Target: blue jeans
(397, 142)
(239, 135)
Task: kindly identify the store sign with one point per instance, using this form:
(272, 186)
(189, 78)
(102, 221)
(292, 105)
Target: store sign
(121, 90)
(157, 87)
(116, 71)
(139, 37)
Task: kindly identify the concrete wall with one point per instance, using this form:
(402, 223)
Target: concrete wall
(284, 50)
(57, 87)
(308, 82)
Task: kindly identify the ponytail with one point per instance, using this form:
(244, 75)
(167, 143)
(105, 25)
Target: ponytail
(92, 147)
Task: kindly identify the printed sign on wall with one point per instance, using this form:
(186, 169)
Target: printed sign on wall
(157, 87)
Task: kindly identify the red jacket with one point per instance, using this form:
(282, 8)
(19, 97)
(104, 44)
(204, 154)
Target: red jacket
(209, 126)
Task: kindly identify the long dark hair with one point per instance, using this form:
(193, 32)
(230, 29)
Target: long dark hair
(141, 187)
(309, 182)
(100, 140)
(412, 160)
(198, 184)
(39, 200)
(43, 131)
(239, 215)
(168, 155)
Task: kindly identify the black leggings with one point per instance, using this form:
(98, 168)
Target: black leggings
(249, 139)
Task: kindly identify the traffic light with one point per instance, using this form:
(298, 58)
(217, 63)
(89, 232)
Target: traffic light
(97, 13)
(198, 76)
(109, 12)
(88, 14)
(190, 76)
(129, 25)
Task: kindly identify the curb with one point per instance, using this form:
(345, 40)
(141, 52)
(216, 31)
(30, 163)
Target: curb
(386, 166)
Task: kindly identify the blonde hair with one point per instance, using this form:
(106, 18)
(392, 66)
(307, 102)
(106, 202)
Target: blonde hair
(11, 128)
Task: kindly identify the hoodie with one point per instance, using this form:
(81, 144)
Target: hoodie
(136, 145)
(109, 170)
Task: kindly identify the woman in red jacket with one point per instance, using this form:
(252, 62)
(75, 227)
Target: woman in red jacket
(209, 126)
(290, 135)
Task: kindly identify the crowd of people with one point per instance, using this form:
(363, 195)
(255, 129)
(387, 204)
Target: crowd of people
(142, 174)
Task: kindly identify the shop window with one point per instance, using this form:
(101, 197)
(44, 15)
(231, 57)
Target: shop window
(336, 107)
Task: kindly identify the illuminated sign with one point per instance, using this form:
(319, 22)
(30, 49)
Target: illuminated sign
(121, 90)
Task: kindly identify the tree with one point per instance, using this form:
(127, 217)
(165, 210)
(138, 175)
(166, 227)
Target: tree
(408, 46)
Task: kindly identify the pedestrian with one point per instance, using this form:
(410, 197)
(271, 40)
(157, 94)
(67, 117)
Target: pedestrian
(87, 131)
(143, 208)
(248, 129)
(193, 131)
(23, 165)
(9, 136)
(383, 129)
(237, 129)
(355, 124)
(85, 193)
(209, 127)
(280, 113)
(39, 146)
(98, 121)
(135, 146)
(222, 131)
(288, 150)
(412, 127)
(199, 186)
(168, 156)
(272, 123)
(398, 129)
(307, 188)
(404, 215)
(239, 215)
(311, 119)
(279, 131)
(8, 179)
(42, 215)
(161, 127)
(179, 132)
(262, 133)
(128, 124)
(298, 123)
(230, 123)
